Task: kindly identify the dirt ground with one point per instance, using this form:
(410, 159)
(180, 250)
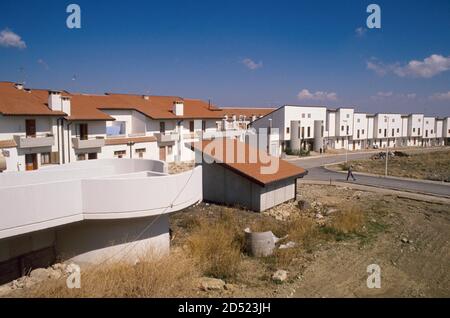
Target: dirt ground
(430, 165)
(336, 231)
(408, 239)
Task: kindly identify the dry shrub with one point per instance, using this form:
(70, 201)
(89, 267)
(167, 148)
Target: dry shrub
(170, 276)
(348, 221)
(268, 223)
(216, 247)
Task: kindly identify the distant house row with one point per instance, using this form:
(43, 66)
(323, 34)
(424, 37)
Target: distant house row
(42, 127)
(319, 128)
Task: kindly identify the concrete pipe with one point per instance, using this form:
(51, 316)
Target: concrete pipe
(259, 243)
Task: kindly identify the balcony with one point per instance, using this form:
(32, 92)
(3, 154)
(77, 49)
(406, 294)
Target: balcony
(44, 140)
(88, 143)
(166, 138)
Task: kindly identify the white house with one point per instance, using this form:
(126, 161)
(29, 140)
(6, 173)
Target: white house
(360, 131)
(429, 132)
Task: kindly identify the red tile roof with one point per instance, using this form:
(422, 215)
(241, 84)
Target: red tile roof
(16, 102)
(247, 169)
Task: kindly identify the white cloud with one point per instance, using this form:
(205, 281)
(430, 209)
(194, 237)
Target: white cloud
(252, 65)
(429, 67)
(385, 94)
(305, 94)
(360, 32)
(377, 67)
(391, 95)
(441, 96)
(10, 39)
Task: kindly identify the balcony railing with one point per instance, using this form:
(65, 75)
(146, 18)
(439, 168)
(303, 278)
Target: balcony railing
(44, 140)
(88, 143)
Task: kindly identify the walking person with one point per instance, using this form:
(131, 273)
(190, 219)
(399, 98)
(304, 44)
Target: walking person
(350, 173)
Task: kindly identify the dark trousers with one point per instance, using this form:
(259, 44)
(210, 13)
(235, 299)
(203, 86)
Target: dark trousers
(350, 174)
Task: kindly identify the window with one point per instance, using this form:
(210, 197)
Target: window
(82, 131)
(385, 120)
(357, 133)
(92, 156)
(414, 129)
(309, 132)
(393, 120)
(287, 130)
(120, 153)
(303, 132)
(116, 128)
(169, 150)
(385, 133)
(426, 133)
(431, 132)
(419, 120)
(303, 115)
(140, 152)
(191, 126)
(379, 131)
(393, 132)
(358, 120)
(45, 158)
(342, 128)
(362, 131)
(162, 127)
(426, 122)
(418, 132)
(348, 130)
(203, 125)
(348, 115)
(398, 130)
(309, 115)
(81, 156)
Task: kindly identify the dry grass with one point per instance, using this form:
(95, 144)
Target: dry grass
(216, 246)
(433, 165)
(169, 276)
(348, 221)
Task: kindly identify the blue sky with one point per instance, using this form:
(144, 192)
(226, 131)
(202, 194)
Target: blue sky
(237, 53)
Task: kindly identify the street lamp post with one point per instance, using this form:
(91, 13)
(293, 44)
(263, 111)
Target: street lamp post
(346, 148)
(387, 147)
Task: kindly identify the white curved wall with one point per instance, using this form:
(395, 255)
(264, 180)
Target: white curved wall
(99, 189)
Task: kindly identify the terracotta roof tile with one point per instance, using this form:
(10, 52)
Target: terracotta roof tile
(17, 102)
(248, 169)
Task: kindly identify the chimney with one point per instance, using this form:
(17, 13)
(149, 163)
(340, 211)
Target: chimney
(66, 106)
(55, 100)
(178, 108)
(19, 86)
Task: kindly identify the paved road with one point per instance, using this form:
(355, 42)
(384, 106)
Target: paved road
(316, 171)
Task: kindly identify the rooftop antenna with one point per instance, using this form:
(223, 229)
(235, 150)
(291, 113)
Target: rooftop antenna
(22, 75)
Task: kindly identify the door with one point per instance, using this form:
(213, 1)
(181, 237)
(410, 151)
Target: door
(162, 153)
(31, 162)
(30, 127)
(83, 131)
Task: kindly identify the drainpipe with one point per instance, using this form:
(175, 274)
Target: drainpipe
(62, 141)
(68, 141)
(131, 149)
(58, 138)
